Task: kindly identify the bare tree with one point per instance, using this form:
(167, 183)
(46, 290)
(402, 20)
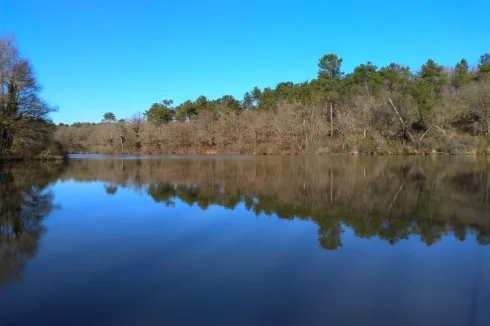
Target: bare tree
(20, 105)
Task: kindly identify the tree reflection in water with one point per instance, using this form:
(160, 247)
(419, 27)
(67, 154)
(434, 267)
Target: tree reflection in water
(390, 198)
(25, 201)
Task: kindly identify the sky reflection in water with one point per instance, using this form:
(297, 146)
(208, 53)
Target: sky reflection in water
(265, 241)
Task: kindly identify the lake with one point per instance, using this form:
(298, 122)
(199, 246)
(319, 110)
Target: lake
(169, 240)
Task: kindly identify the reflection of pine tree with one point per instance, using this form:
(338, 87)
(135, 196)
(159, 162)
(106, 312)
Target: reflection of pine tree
(162, 193)
(483, 238)
(110, 189)
(329, 234)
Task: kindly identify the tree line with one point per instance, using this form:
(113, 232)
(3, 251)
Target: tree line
(372, 110)
(25, 128)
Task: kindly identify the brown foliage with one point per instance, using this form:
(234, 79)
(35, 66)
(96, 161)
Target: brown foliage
(361, 123)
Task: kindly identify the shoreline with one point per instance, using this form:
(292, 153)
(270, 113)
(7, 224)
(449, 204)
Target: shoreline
(66, 157)
(279, 154)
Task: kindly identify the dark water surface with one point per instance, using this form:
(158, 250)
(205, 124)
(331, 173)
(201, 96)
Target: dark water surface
(246, 241)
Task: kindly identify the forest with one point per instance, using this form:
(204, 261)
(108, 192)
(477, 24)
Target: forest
(388, 110)
(26, 131)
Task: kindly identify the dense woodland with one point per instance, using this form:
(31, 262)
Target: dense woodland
(25, 128)
(389, 198)
(372, 110)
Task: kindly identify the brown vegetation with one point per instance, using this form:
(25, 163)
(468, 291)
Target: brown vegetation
(407, 116)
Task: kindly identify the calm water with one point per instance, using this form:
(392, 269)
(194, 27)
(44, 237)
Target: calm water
(246, 241)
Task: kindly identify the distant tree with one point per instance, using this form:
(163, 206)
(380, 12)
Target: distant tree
(190, 110)
(329, 69)
(398, 85)
(329, 82)
(285, 91)
(228, 102)
(167, 102)
(262, 100)
(397, 78)
(251, 100)
(135, 124)
(290, 92)
(267, 100)
(202, 104)
(476, 101)
(434, 74)
(109, 117)
(366, 76)
(432, 78)
(248, 101)
(461, 75)
(186, 111)
(484, 65)
(160, 113)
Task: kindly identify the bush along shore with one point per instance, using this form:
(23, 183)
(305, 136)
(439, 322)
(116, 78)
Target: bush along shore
(388, 110)
(25, 129)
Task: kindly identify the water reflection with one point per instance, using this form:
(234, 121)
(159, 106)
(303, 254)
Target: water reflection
(24, 203)
(109, 258)
(389, 198)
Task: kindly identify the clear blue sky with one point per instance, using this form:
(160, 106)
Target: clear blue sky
(94, 56)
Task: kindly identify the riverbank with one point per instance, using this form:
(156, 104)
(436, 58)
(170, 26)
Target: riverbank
(267, 133)
(403, 151)
(45, 156)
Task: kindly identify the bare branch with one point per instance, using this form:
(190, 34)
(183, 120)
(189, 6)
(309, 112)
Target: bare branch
(401, 120)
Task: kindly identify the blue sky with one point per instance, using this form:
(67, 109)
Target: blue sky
(95, 56)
